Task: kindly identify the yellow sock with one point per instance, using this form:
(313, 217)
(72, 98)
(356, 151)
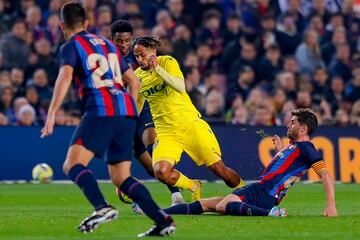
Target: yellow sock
(241, 184)
(185, 183)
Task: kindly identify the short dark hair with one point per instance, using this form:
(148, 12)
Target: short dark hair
(72, 14)
(306, 116)
(120, 26)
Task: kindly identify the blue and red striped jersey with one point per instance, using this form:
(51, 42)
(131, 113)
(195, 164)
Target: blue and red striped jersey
(97, 67)
(288, 164)
(130, 59)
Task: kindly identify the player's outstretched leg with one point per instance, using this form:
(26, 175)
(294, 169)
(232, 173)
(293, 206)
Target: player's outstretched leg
(144, 156)
(75, 167)
(165, 172)
(120, 175)
(230, 177)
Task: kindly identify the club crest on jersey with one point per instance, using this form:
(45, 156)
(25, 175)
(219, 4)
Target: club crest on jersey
(291, 147)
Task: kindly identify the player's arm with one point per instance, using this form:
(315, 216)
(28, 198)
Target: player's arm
(130, 78)
(175, 82)
(132, 82)
(320, 169)
(140, 102)
(62, 85)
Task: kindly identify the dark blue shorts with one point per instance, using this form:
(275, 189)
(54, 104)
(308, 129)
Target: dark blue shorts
(255, 194)
(110, 138)
(145, 122)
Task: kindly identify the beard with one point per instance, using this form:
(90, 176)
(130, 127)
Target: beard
(292, 135)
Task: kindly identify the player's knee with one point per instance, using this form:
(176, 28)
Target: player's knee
(221, 208)
(162, 173)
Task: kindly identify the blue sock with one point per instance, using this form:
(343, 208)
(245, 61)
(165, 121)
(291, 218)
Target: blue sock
(172, 188)
(86, 181)
(137, 192)
(186, 209)
(149, 149)
(244, 209)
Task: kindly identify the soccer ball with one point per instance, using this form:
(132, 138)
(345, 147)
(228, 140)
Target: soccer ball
(123, 197)
(42, 173)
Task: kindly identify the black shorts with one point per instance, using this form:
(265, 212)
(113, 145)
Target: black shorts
(145, 122)
(254, 194)
(110, 138)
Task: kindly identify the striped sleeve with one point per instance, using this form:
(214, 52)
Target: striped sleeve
(318, 166)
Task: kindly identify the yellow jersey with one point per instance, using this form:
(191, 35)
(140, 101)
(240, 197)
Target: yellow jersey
(170, 109)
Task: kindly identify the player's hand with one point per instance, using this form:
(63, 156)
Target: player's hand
(49, 126)
(153, 62)
(330, 211)
(277, 142)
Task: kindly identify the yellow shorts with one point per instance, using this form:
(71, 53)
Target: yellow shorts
(196, 138)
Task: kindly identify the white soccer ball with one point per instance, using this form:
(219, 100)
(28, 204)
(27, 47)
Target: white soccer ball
(42, 173)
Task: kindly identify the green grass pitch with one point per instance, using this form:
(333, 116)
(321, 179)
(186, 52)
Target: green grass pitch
(53, 211)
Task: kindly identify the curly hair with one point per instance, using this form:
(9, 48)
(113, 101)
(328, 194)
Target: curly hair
(148, 42)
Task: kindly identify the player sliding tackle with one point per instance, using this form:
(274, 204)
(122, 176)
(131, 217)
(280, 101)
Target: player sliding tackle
(177, 123)
(263, 197)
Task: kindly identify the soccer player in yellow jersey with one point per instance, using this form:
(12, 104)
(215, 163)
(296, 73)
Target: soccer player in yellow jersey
(177, 122)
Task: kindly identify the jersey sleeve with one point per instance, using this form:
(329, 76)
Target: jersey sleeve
(68, 55)
(172, 67)
(310, 154)
(124, 66)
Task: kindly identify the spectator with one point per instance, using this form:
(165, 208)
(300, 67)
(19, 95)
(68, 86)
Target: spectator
(308, 53)
(5, 19)
(14, 48)
(342, 119)
(303, 100)
(341, 64)
(17, 80)
(196, 93)
(44, 60)
(335, 94)
(352, 91)
(6, 100)
(288, 36)
(5, 80)
(210, 33)
(329, 49)
(214, 106)
(287, 82)
(243, 85)
(248, 57)
(4, 121)
(26, 116)
(270, 65)
(232, 31)
(33, 19)
(41, 82)
(182, 42)
(262, 116)
(355, 114)
(319, 83)
(60, 117)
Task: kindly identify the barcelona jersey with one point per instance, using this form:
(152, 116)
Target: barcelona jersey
(290, 163)
(97, 73)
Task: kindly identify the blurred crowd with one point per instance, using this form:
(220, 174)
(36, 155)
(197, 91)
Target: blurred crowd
(244, 61)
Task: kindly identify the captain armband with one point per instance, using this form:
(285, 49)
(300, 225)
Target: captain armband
(318, 166)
